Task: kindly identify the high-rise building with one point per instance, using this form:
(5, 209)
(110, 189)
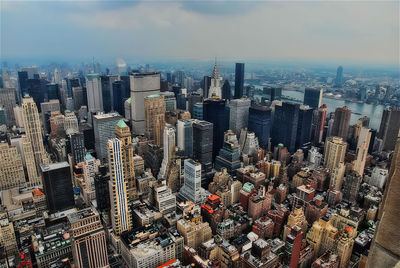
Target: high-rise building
(215, 83)
(106, 82)
(170, 101)
(239, 80)
(198, 111)
(226, 91)
(303, 135)
(89, 239)
(154, 108)
(104, 126)
(37, 90)
(362, 150)
(142, 85)
(119, 97)
(191, 189)
(33, 131)
(48, 108)
(8, 99)
(260, 123)
(206, 83)
(215, 111)
(344, 248)
(120, 211)
(274, 93)
(286, 133)
(238, 114)
(341, 122)
(194, 231)
(169, 149)
(53, 91)
(22, 84)
(334, 153)
(203, 143)
(11, 168)
(313, 97)
(57, 185)
(229, 155)
(70, 122)
(322, 236)
(123, 133)
(390, 125)
(185, 136)
(7, 235)
(339, 77)
(351, 187)
(94, 94)
(320, 126)
(385, 249)
(77, 146)
(193, 98)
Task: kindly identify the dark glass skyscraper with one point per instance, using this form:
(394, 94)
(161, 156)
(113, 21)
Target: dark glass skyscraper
(389, 128)
(57, 185)
(23, 83)
(37, 90)
(229, 155)
(71, 83)
(119, 97)
(239, 80)
(274, 93)
(77, 147)
(206, 85)
(216, 112)
(260, 123)
(226, 91)
(203, 143)
(53, 92)
(303, 135)
(313, 97)
(286, 120)
(106, 93)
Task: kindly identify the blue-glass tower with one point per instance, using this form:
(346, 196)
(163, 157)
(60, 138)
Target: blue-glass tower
(239, 80)
(284, 130)
(260, 123)
(303, 135)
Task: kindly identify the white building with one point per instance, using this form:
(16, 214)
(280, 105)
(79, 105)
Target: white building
(215, 85)
(362, 150)
(169, 149)
(377, 178)
(239, 114)
(191, 189)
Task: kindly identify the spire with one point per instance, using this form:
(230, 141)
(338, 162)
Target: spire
(215, 73)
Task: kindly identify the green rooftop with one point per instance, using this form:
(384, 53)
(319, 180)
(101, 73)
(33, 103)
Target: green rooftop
(153, 96)
(248, 187)
(121, 124)
(129, 100)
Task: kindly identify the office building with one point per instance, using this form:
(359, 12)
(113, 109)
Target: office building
(351, 187)
(260, 123)
(106, 84)
(163, 198)
(8, 99)
(185, 136)
(57, 186)
(334, 152)
(238, 114)
(168, 150)
(94, 93)
(216, 112)
(154, 108)
(193, 98)
(53, 91)
(11, 167)
(203, 143)
(339, 77)
(215, 84)
(194, 231)
(170, 101)
(123, 133)
(303, 135)
(198, 111)
(313, 97)
(239, 80)
(385, 249)
(77, 146)
(7, 235)
(364, 139)
(344, 248)
(341, 122)
(89, 245)
(320, 124)
(286, 133)
(70, 122)
(142, 85)
(119, 97)
(120, 211)
(101, 182)
(79, 96)
(322, 237)
(191, 189)
(37, 90)
(390, 125)
(273, 93)
(226, 91)
(22, 84)
(47, 109)
(104, 126)
(229, 155)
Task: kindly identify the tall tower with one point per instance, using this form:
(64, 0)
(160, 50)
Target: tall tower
(169, 149)
(185, 136)
(319, 131)
(286, 133)
(123, 133)
(239, 80)
(89, 239)
(154, 108)
(203, 143)
(120, 211)
(313, 97)
(339, 76)
(215, 85)
(191, 189)
(260, 123)
(238, 114)
(11, 168)
(390, 125)
(341, 122)
(385, 250)
(334, 153)
(33, 131)
(94, 95)
(364, 139)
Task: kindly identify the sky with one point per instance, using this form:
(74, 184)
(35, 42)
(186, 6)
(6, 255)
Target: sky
(336, 31)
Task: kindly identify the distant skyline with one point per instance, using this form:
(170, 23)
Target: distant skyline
(314, 31)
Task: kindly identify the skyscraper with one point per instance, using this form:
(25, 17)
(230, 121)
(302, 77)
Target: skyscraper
(89, 239)
(274, 93)
(341, 122)
(33, 131)
(203, 143)
(239, 80)
(260, 123)
(238, 114)
(385, 249)
(118, 88)
(334, 152)
(229, 155)
(123, 133)
(206, 86)
(11, 168)
(364, 139)
(339, 77)
(390, 125)
(215, 83)
(154, 108)
(185, 136)
(226, 91)
(142, 85)
(169, 149)
(8, 100)
(22, 84)
(57, 185)
(77, 146)
(351, 187)
(319, 130)
(215, 111)
(107, 91)
(120, 211)
(191, 189)
(286, 132)
(94, 94)
(313, 97)
(104, 126)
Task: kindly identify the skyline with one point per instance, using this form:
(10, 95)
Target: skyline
(321, 32)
